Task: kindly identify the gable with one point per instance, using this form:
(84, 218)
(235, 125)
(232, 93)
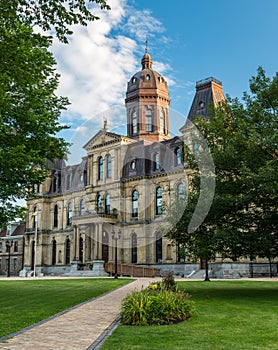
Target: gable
(102, 138)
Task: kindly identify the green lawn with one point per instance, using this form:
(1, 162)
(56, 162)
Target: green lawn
(231, 315)
(23, 303)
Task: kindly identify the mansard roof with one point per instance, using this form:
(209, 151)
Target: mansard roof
(19, 230)
(208, 92)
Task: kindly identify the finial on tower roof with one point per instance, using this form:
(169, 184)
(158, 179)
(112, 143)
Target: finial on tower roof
(146, 42)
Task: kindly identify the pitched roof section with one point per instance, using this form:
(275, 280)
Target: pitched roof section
(13, 229)
(207, 91)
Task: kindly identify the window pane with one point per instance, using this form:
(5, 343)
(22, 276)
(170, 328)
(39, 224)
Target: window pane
(109, 166)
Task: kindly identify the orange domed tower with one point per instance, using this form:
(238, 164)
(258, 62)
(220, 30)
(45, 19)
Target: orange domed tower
(147, 104)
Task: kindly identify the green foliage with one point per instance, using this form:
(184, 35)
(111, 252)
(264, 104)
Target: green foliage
(242, 137)
(161, 303)
(55, 16)
(29, 114)
(241, 315)
(29, 107)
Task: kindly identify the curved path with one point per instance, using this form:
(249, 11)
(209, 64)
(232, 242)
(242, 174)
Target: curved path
(80, 328)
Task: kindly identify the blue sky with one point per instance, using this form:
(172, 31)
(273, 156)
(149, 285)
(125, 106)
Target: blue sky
(188, 41)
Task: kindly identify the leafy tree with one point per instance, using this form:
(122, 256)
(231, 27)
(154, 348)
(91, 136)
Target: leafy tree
(57, 16)
(29, 107)
(242, 138)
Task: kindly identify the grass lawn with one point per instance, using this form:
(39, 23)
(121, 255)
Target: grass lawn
(23, 303)
(231, 315)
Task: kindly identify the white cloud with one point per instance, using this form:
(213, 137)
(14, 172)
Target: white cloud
(99, 60)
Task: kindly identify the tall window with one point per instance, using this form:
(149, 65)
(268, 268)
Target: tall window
(55, 218)
(134, 248)
(68, 181)
(54, 182)
(0, 248)
(158, 206)
(149, 120)
(134, 204)
(15, 264)
(98, 203)
(67, 251)
(134, 122)
(162, 123)
(82, 207)
(107, 204)
(100, 168)
(156, 161)
(15, 246)
(178, 156)
(158, 248)
(54, 252)
(69, 218)
(180, 191)
(109, 166)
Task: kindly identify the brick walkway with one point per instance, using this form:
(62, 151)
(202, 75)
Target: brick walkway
(78, 328)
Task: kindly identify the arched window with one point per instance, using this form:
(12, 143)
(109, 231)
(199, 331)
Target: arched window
(134, 122)
(109, 166)
(82, 207)
(100, 168)
(107, 204)
(180, 191)
(54, 251)
(134, 248)
(67, 251)
(158, 202)
(135, 204)
(156, 161)
(81, 249)
(55, 221)
(149, 120)
(98, 203)
(178, 156)
(69, 217)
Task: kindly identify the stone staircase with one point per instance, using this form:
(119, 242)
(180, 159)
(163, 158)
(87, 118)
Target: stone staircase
(199, 274)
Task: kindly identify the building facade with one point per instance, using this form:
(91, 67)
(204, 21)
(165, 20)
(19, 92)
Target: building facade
(12, 241)
(122, 184)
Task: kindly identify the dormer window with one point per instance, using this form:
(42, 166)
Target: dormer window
(134, 79)
(133, 165)
(148, 77)
(201, 104)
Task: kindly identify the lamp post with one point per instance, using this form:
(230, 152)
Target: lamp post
(35, 217)
(115, 238)
(9, 244)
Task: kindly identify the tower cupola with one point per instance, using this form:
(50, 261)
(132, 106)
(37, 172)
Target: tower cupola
(147, 104)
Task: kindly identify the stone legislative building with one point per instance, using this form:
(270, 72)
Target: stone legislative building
(119, 186)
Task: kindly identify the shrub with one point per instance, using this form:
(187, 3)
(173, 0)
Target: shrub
(161, 303)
